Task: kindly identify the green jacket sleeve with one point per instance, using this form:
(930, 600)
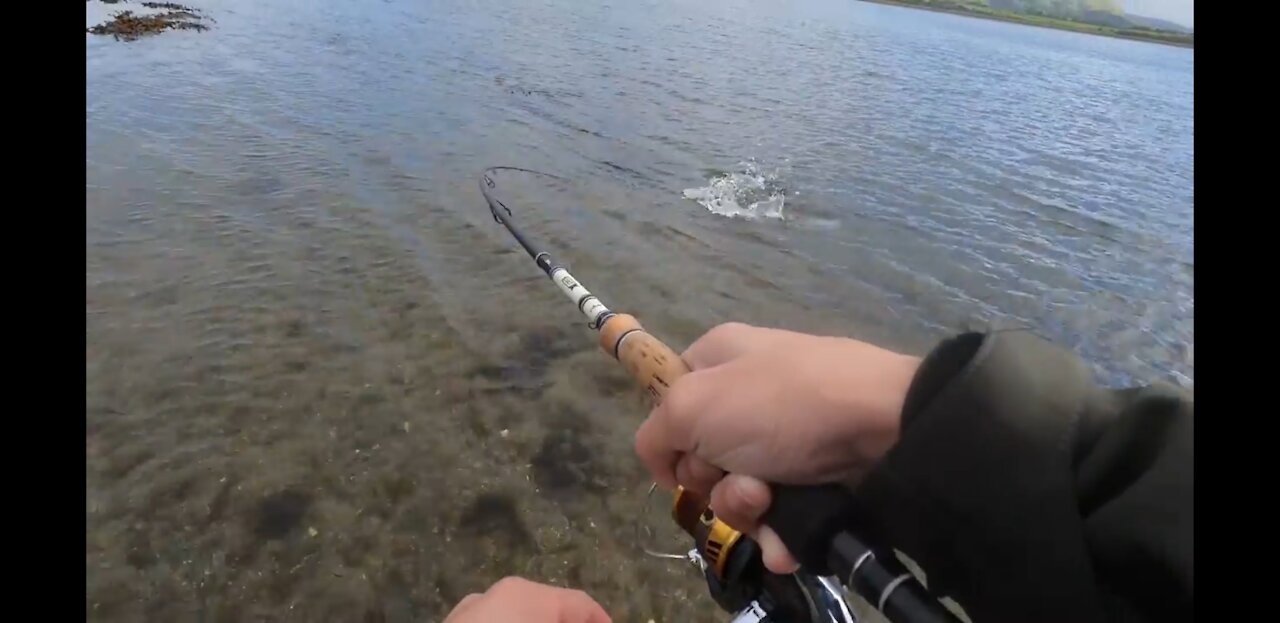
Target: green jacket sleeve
(1028, 493)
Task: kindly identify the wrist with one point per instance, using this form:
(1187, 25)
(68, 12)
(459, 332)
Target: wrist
(867, 402)
(899, 374)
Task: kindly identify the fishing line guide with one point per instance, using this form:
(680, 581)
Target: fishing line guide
(589, 304)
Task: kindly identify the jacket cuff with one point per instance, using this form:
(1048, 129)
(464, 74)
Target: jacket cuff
(979, 488)
(944, 363)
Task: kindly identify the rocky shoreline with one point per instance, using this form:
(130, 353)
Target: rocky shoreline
(130, 25)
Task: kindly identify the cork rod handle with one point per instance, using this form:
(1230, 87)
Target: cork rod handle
(650, 362)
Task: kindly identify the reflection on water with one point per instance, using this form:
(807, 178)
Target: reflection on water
(322, 384)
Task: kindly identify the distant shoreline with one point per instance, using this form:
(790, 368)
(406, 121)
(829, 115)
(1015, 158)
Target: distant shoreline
(1173, 39)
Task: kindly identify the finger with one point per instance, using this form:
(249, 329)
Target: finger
(722, 343)
(728, 341)
(697, 475)
(777, 558)
(669, 429)
(579, 607)
(512, 584)
(467, 602)
(741, 501)
(658, 456)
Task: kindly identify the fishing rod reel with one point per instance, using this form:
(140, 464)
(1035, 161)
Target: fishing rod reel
(737, 580)
(817, 522)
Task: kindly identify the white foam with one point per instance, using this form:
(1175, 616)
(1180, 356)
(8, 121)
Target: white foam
(749, 194)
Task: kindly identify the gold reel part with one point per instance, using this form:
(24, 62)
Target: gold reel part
(714, 538)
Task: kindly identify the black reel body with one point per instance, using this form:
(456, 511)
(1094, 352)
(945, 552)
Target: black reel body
(733, 568)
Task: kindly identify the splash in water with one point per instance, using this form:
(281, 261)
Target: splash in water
(749, 193)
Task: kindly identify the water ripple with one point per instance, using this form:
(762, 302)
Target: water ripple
(287, 260)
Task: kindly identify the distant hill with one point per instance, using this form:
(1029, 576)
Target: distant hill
(1107, 13)
(1156, 23)
(1104, 18)
(1056, 8)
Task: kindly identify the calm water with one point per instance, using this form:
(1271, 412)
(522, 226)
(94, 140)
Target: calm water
(323, 385)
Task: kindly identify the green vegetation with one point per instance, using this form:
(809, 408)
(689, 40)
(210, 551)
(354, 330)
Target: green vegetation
(1098, 17)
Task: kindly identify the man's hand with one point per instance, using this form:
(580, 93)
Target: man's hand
(516, 600)
(766, 405)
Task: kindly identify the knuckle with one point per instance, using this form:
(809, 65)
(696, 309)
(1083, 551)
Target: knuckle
(679, 399)
(726, 332)
(734, 503)
(647, 445)
(509, 583)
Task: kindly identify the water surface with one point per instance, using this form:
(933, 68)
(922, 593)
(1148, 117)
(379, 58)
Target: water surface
(322, 384)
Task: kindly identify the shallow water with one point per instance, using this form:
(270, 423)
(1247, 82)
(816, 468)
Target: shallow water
(322, 384)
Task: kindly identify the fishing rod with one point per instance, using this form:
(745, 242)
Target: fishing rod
(813, 521)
